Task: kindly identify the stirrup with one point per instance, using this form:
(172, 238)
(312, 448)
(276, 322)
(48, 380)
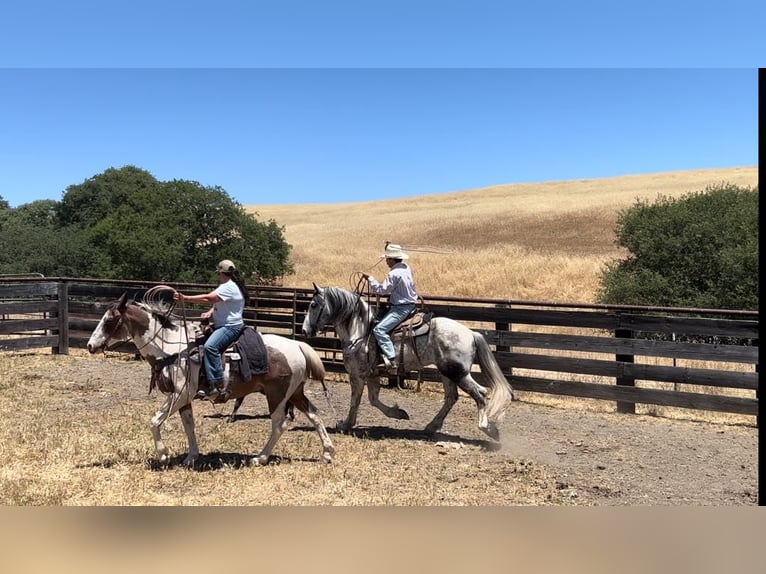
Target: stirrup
(390, 366)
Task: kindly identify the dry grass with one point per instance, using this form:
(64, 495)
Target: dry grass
(541, 241)
(76, 432)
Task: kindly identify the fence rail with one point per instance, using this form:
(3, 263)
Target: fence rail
(625, 354)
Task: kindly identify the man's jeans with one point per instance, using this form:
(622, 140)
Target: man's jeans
(218, 341)
(395, 315)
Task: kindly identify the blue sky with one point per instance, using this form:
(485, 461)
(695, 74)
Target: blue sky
(315, 102)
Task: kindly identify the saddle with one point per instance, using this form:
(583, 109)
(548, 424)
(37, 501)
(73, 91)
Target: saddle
(419, 323)
(416, 325)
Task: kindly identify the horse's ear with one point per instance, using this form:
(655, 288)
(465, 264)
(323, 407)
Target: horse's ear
(316, 289)
(122, 302)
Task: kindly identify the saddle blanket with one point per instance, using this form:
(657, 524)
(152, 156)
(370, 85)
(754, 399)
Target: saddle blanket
(253, 354)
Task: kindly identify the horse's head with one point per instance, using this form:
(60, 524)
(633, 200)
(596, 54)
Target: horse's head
(112, 328)
(318, 314)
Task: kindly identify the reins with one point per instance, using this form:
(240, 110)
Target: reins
(358, 289)
(359, 292)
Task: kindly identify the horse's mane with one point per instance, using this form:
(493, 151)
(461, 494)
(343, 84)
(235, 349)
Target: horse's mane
(162, 314)
(343, 303)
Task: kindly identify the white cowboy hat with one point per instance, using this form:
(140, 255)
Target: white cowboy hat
(394, 251)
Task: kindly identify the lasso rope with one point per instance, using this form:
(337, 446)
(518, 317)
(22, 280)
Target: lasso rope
(426, 249)
(153, 299)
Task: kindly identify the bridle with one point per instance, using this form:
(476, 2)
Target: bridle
(111, 334)
(120, 323)
(319, 299)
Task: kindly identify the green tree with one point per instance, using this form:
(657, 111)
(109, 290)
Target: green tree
(31, 242)
(179, 230)
(125, 224)
(85, 204)
(700, 250)
(40, 213)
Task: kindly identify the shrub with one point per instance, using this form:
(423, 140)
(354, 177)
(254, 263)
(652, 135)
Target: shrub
(699, 250)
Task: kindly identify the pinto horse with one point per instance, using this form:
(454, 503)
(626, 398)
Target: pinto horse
(165, 341)
(451, 347)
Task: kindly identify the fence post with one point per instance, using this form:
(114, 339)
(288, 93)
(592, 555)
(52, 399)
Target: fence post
(255, 298)
(622, 379)
(63, 319)
(758, 387)
(295, 313)
(504, 326)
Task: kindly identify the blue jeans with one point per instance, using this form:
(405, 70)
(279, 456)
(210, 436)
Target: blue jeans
(216, 343)
(396, 314)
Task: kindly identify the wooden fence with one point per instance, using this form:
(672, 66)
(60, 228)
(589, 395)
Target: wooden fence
(690, 358)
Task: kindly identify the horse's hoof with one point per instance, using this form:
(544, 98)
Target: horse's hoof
(432, 429)
(259, 460)
(327, 457)
(400, 414)
(189, 462)
(492, 431)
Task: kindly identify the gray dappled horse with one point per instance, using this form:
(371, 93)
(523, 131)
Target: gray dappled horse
(448, 345)
(165, 342)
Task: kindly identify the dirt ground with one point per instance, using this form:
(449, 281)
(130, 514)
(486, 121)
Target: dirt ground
(599, 458)
(583, 457)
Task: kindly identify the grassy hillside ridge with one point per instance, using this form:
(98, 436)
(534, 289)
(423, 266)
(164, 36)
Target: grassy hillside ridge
(527, 241)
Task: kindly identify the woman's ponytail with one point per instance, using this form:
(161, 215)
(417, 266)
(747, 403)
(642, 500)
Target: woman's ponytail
(236, 276)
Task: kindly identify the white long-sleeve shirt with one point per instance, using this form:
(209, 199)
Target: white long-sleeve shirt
(398, 285)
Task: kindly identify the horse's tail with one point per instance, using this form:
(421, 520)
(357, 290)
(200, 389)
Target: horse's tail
(314, 366)
(315, 369)
(501, 392)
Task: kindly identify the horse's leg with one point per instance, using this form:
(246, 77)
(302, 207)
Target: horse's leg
(187, 418)
(237, 404)
(373, 391)
(300, 400)
(177, 400)
(357, 386)
(276, 400)
(156, 423)
(477, 392)
(450, 398)
(290, 411)
(173, 402)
